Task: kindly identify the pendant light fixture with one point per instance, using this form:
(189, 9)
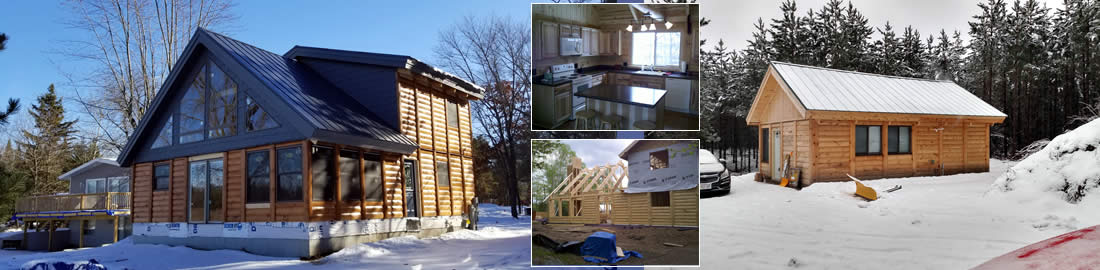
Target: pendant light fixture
(668, 25)
(652, 26)
(643, 28)
(630, 28)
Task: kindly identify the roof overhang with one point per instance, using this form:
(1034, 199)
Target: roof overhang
(87, 165)
(389, 60)
(363, 142)
(763, 93)
(900, 117)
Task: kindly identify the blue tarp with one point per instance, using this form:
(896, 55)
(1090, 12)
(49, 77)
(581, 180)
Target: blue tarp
(88, 265)
(600, 248)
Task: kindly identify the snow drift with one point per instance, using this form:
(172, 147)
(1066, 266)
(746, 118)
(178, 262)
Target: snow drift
(1069, 167)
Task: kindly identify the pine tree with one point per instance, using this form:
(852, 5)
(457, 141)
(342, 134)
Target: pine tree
(789, 35)
(44, 148)
(887, 53)
(855, 35)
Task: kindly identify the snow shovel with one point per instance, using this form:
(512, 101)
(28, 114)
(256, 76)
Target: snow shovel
(864, 191)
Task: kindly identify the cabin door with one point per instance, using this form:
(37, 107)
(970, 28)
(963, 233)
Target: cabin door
(206, 179)
(412, 205)
(776, 154)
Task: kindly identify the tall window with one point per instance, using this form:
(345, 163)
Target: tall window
(765, 147)
(658, 160)
(223, 104)
(452, 114)
(324, 184)
(655, 48)
(442, 174)
(372, 177)
(163, 175)
(259, 177)
(868, 140)
(207, 184)
(289, 166)
(350, 186)
(258, 119)
(164, 138)
(659, 199)
(898, 140)
(192, 110)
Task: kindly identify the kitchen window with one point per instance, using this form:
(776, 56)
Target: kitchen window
(868, 140)
(656, 49)
(898, 140)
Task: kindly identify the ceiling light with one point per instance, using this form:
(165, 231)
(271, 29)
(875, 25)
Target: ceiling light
(643, 28)
(630, 28)
(652, 27)
(668, 25)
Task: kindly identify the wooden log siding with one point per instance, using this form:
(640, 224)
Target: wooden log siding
(142, 199)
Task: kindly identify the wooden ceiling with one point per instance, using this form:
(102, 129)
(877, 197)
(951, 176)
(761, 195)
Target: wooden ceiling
(620, 13)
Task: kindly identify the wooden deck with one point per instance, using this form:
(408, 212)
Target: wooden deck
(74, 205)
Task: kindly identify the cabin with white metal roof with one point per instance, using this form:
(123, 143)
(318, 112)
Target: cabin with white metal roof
(835, 122)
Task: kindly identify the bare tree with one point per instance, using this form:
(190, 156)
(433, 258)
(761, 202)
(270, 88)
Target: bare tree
(134, 44)
(494, 52)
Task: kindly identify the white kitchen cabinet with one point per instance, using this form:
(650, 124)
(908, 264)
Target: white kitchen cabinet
(594, 42)
(586, 47)
(549, 40)
(679, 95)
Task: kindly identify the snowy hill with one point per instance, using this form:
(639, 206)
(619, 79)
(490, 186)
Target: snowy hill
(501, 243)
(1068, 167)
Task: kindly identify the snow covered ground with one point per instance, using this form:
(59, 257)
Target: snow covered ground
(945, 222)
(501, 243)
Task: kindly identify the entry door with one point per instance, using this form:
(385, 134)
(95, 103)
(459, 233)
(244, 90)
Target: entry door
(411, 186)
(777, 154)
(207, 183)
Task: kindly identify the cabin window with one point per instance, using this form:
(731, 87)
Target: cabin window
(658, 160)
(324, 184)
(351, 188)
(164, 138)
(192, 110)
(868, 140)
(656, 48)
(289, 165)
(554, 203)
(259, 177)
(442, 174)
(452, 114)
(372, 177)
(223, 104)
(163, 175)
(565, 208)
(118, 184)
(659, 199)
(258, 119)
(898, 140)
(97, 185)
(764, 145)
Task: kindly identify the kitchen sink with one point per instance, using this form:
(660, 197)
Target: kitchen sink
(650, 72)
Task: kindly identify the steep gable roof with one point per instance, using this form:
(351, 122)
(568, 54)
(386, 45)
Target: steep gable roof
(321, 111)
(826, 89)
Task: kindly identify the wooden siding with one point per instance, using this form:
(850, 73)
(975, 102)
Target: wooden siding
(630, 208)
(234, 186)
(142, 187)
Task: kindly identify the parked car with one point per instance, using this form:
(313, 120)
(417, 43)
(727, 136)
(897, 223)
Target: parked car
(1073, 250)
(713, 175)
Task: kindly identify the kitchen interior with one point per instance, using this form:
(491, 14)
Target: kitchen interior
(615, 66)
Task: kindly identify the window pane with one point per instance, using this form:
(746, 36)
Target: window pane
(164, 138)
(289, 166)
(442, 174)
(258, 119)
(903, 139)
(223, 105)
(892, 139)
(197, 201)
(642, 48)
(874, 139)
(765, 146)
(192, 116)
(452, 114)
(861, 139)
(372, 177)
(259, 177)
(350, 186)
(668, 49)
(118, 184)
(216, 187)
(162, 173)
(324, 187)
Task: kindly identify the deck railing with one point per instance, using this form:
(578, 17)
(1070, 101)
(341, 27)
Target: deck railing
(74, 202)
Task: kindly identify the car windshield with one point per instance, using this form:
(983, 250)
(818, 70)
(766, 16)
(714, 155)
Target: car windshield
(706, 157)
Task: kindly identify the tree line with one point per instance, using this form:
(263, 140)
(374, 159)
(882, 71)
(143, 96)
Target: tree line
(1038, 65)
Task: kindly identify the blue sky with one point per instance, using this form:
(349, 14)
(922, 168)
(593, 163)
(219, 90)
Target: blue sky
(396, 27)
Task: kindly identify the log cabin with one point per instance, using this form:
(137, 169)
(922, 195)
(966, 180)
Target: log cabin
(832, 123)
(299, 154)
(662, 178)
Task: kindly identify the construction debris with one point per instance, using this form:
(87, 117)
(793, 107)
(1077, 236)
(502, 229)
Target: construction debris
(673, 244)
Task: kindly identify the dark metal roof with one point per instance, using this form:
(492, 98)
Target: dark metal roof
(388, 60)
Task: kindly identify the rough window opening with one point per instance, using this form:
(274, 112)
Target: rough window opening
(658, 160)
(577, 208)
(659, 199)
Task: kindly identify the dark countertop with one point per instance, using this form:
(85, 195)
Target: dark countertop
(539, 81)
(628, 70)
(632, 95)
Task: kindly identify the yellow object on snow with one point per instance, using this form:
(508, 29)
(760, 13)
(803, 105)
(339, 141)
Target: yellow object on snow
(864, 191)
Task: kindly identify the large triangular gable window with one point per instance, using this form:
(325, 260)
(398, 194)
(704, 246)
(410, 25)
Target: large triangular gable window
(164, 138)
(192, 110)
(208, 109)
(223, 104)
(258, 119)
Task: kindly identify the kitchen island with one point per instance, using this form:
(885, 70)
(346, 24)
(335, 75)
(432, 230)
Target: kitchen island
(633, 103)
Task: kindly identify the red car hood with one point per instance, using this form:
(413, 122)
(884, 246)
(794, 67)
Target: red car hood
(1075, 250)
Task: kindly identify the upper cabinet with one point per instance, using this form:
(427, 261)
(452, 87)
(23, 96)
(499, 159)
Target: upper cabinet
(549, 40)
(591, 41)
(609, 42)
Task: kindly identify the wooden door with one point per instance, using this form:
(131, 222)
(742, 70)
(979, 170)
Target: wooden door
(549, 40)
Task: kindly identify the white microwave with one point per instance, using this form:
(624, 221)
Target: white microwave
(571, 46)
